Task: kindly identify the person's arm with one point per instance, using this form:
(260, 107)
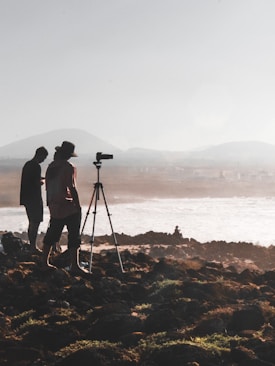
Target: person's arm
(73, 189)
(75, 197)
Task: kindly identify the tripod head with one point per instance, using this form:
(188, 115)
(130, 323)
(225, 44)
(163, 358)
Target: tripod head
(97, 164)
(99, 157)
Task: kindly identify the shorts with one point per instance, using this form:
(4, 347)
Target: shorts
(34, 212)
(55, 229)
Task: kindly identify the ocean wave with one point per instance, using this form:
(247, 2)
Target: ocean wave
(204, 219)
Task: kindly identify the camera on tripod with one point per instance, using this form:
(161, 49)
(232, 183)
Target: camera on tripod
(98, 187)
(100, 156)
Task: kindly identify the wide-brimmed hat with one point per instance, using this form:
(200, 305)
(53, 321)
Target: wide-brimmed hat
(67, 148)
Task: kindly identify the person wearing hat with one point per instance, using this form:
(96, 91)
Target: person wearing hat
(30, 194)
(64, 206)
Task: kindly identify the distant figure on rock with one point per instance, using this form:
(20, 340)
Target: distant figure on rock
(64, 206)
(177, 232)
(30, 194)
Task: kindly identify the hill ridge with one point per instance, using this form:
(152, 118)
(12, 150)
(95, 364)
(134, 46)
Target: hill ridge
(85, 142)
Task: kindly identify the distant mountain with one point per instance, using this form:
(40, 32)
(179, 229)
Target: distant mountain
(244, 152)
(86, 144)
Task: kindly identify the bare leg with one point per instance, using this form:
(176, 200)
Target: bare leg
(74, 258)
(46, 256)
(32, 234)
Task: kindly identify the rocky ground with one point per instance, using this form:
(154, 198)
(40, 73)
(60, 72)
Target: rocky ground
(179, 302)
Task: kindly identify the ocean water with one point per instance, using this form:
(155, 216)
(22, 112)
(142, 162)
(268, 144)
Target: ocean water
(204, 219)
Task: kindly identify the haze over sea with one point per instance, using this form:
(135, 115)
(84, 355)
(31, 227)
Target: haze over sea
(204, 219)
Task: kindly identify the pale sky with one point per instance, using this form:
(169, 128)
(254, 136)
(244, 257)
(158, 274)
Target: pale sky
(160, 74)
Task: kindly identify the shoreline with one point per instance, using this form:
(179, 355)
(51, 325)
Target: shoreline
(133, 199)
(240, 255)
(230, 219)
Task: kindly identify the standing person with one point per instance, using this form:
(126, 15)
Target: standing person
(30, 194)
(64, 206)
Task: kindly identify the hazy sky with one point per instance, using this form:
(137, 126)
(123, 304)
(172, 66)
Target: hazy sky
(160, 74)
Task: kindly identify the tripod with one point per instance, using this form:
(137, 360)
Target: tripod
(98, 187)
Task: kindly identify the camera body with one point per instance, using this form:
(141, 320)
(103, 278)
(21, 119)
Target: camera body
(100, 156)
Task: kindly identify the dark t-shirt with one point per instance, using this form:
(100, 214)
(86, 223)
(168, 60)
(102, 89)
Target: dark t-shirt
(30, 190)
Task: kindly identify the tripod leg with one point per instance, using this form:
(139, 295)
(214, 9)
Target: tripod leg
(95, 194)
(113, 233)
(88, 211)
(94, 198)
